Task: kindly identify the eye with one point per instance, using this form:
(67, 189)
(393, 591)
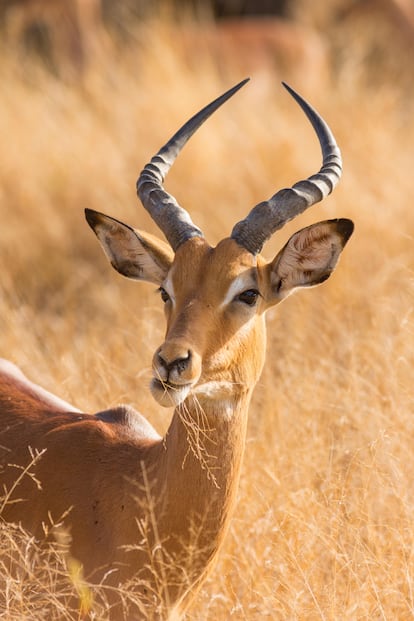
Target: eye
(248, 297)
(164, 295)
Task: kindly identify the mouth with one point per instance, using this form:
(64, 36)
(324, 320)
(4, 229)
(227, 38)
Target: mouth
(168, 394)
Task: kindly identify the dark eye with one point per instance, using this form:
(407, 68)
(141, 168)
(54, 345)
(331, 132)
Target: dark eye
(248, 297)
(164, 295)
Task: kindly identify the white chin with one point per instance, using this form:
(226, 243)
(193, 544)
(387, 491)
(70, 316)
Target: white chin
(169, 396)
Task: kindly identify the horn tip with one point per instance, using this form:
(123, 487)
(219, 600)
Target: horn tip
(238, 86)
(289, 89)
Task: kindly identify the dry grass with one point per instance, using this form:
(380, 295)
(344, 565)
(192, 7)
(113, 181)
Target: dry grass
(325, 519)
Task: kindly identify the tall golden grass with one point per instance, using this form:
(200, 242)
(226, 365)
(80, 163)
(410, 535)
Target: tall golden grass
(325, 518)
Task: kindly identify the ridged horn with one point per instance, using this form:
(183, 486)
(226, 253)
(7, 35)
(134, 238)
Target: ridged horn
(173, 220)
(269, 216)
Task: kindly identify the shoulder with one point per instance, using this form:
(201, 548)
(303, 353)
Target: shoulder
(132, 421)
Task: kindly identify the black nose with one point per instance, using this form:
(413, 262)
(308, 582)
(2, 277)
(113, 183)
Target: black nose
(179, 364)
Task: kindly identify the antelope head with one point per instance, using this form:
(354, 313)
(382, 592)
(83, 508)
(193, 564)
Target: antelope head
(215, 298)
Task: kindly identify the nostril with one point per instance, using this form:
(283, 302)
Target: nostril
(181, 363)
(177, 364)
(160, 366)
(162, 361)
(172, 363)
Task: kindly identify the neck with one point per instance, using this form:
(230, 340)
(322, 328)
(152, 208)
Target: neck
(208, 434)
(201, 461)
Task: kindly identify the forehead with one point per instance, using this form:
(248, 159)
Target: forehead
(199, 266)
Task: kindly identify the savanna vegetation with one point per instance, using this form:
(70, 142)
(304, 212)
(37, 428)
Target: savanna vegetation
(325, 516)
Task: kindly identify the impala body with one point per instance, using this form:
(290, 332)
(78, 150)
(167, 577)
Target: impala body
(147, 513)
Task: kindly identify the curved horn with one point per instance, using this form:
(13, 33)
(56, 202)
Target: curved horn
(269, 216)
(172, 219)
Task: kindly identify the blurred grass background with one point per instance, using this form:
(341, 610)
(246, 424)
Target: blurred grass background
(324, 522)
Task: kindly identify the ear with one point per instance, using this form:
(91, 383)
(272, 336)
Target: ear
(309, 257)
(132, 253)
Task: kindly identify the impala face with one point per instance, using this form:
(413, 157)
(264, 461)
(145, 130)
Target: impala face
(215, 298)
(213, 308)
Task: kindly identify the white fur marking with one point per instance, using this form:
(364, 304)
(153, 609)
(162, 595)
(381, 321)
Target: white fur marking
(213, 389)
(169, 287)
(240, 284)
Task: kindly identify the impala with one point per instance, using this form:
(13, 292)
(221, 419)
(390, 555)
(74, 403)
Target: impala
(147, 512)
